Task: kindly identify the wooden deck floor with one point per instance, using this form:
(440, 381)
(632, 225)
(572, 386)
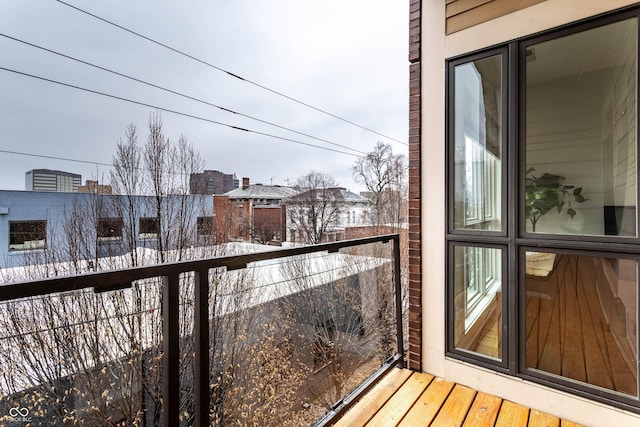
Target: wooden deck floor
(406, 398)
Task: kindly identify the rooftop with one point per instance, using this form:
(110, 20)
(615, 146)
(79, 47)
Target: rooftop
(260, 191)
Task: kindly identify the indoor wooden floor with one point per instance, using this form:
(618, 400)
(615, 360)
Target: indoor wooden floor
(406, 398)
(568, 332)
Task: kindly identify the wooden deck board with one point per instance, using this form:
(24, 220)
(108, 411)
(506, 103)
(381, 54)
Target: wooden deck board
(540, 419)
(410, 399)
(394, 410)
(426, 408)
(455, 409)
(484, 411)
(367, 407)
(512, 415)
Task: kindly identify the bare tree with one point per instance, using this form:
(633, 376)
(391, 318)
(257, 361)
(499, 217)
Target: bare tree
(126, 181)
(159, 170)
(96, 358)
(384, 176)
(316, 209)
(180, 210)
(336, 306)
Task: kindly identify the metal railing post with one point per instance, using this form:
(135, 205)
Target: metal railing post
(201, 331)
(398, 292)
(171, 350)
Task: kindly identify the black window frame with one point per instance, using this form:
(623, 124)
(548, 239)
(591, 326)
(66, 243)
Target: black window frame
(514, 238)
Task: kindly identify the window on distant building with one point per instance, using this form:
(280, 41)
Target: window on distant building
(543, 259)
(149, 228)
(204, 225)
(27, 235)
(109, 229)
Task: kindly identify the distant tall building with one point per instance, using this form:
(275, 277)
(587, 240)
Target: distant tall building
(212, 182)
(52, 180)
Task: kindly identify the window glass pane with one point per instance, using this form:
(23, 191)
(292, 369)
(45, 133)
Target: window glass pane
(581, 319)
(477, 144)
(27, 235)
(477, 300)
(581, 125)
(149, 228)
(109, 229)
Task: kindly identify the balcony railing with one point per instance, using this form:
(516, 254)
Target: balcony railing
(266, 338)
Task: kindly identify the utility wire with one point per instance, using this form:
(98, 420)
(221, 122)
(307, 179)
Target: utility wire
(176, 112)
(178, 93)
(230, 73)
(66, 159)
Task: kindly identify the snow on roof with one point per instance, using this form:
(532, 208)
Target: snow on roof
(259, 191)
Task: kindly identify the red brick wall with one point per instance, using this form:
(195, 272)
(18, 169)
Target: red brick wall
(221, 220)
(414, 356)
(268, 219)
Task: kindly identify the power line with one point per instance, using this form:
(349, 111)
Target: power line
(66, 159)
(177, 93)
(89, 162)
(230, 73)
(176, 112)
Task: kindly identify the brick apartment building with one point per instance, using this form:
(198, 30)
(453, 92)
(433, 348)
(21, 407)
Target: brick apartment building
(252, 213)
(258, 213)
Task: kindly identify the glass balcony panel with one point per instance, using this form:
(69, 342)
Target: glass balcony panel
(288, 338)
(82, 356)
(306, 331)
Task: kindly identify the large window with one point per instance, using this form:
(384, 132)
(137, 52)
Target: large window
(542, 194)
(27, 235)
(149, 228)
(109, 229)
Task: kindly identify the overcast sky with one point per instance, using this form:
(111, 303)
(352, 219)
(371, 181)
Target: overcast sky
(348, 57)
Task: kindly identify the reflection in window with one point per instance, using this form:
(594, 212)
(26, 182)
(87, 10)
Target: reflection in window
(478, 138)
(477, 300)
(581, 319)
(581, 125)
